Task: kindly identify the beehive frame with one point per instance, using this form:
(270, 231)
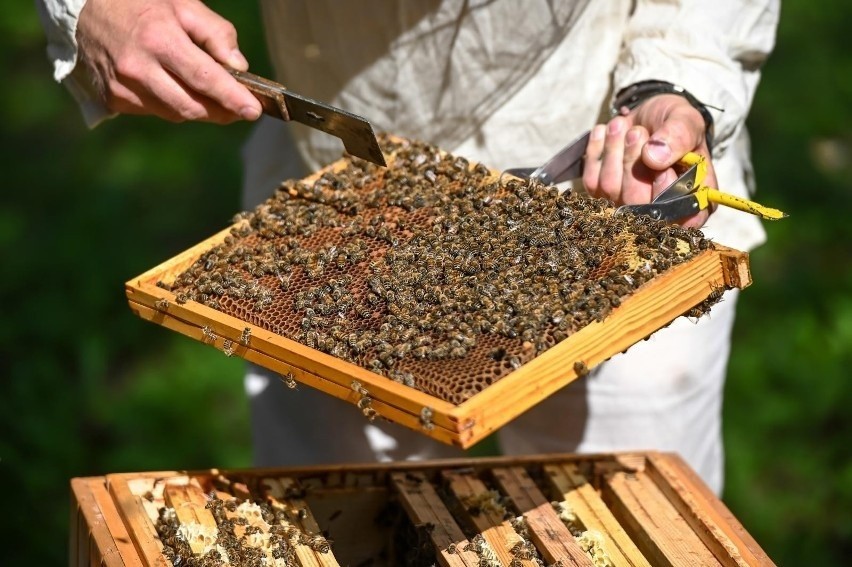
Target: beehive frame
(647, 508)
(648, 309)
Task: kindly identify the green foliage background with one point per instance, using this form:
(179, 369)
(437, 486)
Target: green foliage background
(87, 388)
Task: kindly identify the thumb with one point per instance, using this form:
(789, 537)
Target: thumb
(213, 33)
(682, 131)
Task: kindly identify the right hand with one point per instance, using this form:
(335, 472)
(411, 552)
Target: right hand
(165, 57)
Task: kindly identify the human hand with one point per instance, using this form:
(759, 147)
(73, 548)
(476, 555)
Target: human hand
(165, 57)
(629, 160)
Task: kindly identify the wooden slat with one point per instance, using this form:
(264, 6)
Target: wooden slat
(488, 521)
(114, 541)
(74, 511)
(83, 551)
(714, 529)
(139, 525)
(300, 515)
(314, 361)
(653, 523)
(725, 515)
(587, 505)
(189, 503)
(549, 534)
(345, 393)
(427, 511)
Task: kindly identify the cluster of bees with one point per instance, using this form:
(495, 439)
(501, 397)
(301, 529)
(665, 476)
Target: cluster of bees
(431, 260)
(244, 550)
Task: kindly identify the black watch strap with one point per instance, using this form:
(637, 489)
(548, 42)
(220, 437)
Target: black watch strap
(637, 93)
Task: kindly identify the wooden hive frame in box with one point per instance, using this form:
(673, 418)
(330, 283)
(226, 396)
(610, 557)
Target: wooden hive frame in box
(651, 307)
(635, 509)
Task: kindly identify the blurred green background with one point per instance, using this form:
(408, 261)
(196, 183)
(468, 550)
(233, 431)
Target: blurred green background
(87, 388)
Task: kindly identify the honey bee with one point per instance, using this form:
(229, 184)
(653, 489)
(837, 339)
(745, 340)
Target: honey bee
(208, 335)
(245, 337)
(289, 380)
(162, 304)
(426, 415)
(319, 543)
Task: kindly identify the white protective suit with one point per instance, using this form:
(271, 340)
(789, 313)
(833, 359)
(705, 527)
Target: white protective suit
(506, 83)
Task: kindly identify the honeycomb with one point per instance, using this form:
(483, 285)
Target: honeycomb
(435, 272)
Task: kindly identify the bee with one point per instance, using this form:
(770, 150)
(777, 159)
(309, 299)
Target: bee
(208, 334)
(514, 362)
(319, 543)
(228, 347)
(311, 338)
(245, 337)
(359, 388)
(289, 380)
(181, 298)
(162, 304)
(580, 369)
(426, 415)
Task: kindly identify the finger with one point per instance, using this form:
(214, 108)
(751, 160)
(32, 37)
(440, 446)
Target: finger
(636, 177)
(213, 33)
(133, 90)
(697, 221)
(681, 132)
(592, 164)
(208, 79)
(612, 165)
(169, 98)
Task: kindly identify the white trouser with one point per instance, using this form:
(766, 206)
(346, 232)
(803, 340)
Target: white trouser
(664, 394)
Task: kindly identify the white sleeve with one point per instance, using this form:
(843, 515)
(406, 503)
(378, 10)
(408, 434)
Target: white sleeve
(59, 19)
(712, 49)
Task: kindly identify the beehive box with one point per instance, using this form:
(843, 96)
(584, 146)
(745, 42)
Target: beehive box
(619, 509)
(435, 293)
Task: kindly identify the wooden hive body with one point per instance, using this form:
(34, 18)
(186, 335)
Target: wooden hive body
(623, 510)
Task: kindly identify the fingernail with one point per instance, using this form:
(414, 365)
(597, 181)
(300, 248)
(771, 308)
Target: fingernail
(237, 60)
(250, 113)
(614, 126)
(598, 132)
(632, 137)
(659, 151)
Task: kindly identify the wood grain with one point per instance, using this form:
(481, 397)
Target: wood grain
(549, 534)
(428, 513)
(587, 505)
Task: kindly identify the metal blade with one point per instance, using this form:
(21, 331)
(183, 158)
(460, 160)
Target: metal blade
(354, 131)
(683, 185)
(671, 210)
(565, 165)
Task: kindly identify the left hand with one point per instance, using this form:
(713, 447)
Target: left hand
(629, 160)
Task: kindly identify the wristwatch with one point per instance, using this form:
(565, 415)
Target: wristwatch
(637, 93)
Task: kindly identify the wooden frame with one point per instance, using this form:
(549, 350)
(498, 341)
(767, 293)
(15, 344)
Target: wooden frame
(645, 509)
(650, 308)
(653, 306)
